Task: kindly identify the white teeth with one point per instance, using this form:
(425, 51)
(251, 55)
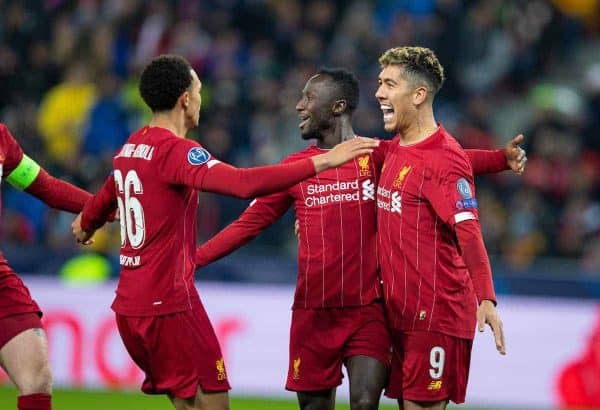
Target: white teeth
(388, 111)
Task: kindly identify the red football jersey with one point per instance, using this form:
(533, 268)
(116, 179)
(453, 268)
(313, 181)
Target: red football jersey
(157, 222)
(337, 250)
(10, 156)
(424, 190)
(155, 182)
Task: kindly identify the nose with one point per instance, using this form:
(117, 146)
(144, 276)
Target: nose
(300, 104)
(379, 94)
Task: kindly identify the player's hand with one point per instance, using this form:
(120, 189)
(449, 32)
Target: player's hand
(516, 157)
(344, 152)
(297, 228)
(83, 237)
(487, 314)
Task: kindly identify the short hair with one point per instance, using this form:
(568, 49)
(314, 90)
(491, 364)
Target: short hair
(345, 83)
(163, 81)
(420, 65)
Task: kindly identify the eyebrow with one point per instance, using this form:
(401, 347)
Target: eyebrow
(387, 81)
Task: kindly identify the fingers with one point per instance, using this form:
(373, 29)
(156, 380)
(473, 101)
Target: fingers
(297, 228)
(517, 140)
(521, 160)
(371, 142)
(499, 336)
(480, 322)
(83, 238)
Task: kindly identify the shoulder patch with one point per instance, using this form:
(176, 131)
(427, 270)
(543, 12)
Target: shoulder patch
(198, 156)
(463, 188)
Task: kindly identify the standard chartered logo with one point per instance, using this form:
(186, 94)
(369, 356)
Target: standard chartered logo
(368, 190)
(396, 202)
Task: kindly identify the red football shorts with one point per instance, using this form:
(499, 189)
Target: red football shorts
(15, 297)
(10, 326)
(178, 352)
(321, 339)
(429, 366)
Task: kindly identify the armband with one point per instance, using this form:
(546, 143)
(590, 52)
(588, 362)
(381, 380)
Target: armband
(24, 174)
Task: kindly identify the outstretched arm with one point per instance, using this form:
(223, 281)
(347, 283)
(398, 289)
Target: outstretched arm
(25, 174)
(57, 193)
(186, 163)
(512, 156)
(261, 213)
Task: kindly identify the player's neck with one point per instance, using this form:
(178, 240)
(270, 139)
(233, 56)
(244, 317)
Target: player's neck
(421, 128)
(171, 121)
(341, 132)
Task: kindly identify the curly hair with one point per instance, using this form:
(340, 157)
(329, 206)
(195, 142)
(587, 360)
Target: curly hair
(420, 65)
(346, 85)
(163, 81)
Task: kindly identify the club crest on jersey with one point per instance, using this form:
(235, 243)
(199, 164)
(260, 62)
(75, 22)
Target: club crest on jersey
(296, 369)
(198, 156)
(221, 373)
(401, 175)
(463, 188)
(363, 163)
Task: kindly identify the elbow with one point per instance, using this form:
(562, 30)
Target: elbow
(247, 192)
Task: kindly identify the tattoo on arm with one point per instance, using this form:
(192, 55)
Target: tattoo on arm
(39, 331)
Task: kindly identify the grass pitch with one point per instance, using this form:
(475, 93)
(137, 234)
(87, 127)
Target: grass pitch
(125, 400)
(121, 400)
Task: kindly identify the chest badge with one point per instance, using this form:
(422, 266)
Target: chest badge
(401, 176)
(363, 163)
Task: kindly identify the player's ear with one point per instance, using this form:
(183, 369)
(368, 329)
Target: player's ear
(420, 95)
(339, 107)
(185, 99)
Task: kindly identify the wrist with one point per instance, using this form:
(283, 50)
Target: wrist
(504, 158)
(488, 302)
(321, 162)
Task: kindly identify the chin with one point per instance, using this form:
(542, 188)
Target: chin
(308, 135)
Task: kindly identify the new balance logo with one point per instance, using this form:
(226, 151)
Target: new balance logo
(396, 202)
(368, 190)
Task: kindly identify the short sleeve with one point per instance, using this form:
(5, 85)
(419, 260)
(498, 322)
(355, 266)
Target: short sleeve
(184, 162)
(451, 190)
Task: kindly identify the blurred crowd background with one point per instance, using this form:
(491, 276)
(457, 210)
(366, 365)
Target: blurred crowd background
(68, 91)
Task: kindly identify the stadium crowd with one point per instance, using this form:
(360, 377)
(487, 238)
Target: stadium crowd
(68, 74)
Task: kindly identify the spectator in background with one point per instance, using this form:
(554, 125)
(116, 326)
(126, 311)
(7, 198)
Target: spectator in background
(107, 125)
(255, 55)
(63, 111)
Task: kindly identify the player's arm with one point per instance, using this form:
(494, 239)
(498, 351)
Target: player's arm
(261, 213)
(451, 192)
(186, 163)
(512, 156)
(96, 212)
(23, 173)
